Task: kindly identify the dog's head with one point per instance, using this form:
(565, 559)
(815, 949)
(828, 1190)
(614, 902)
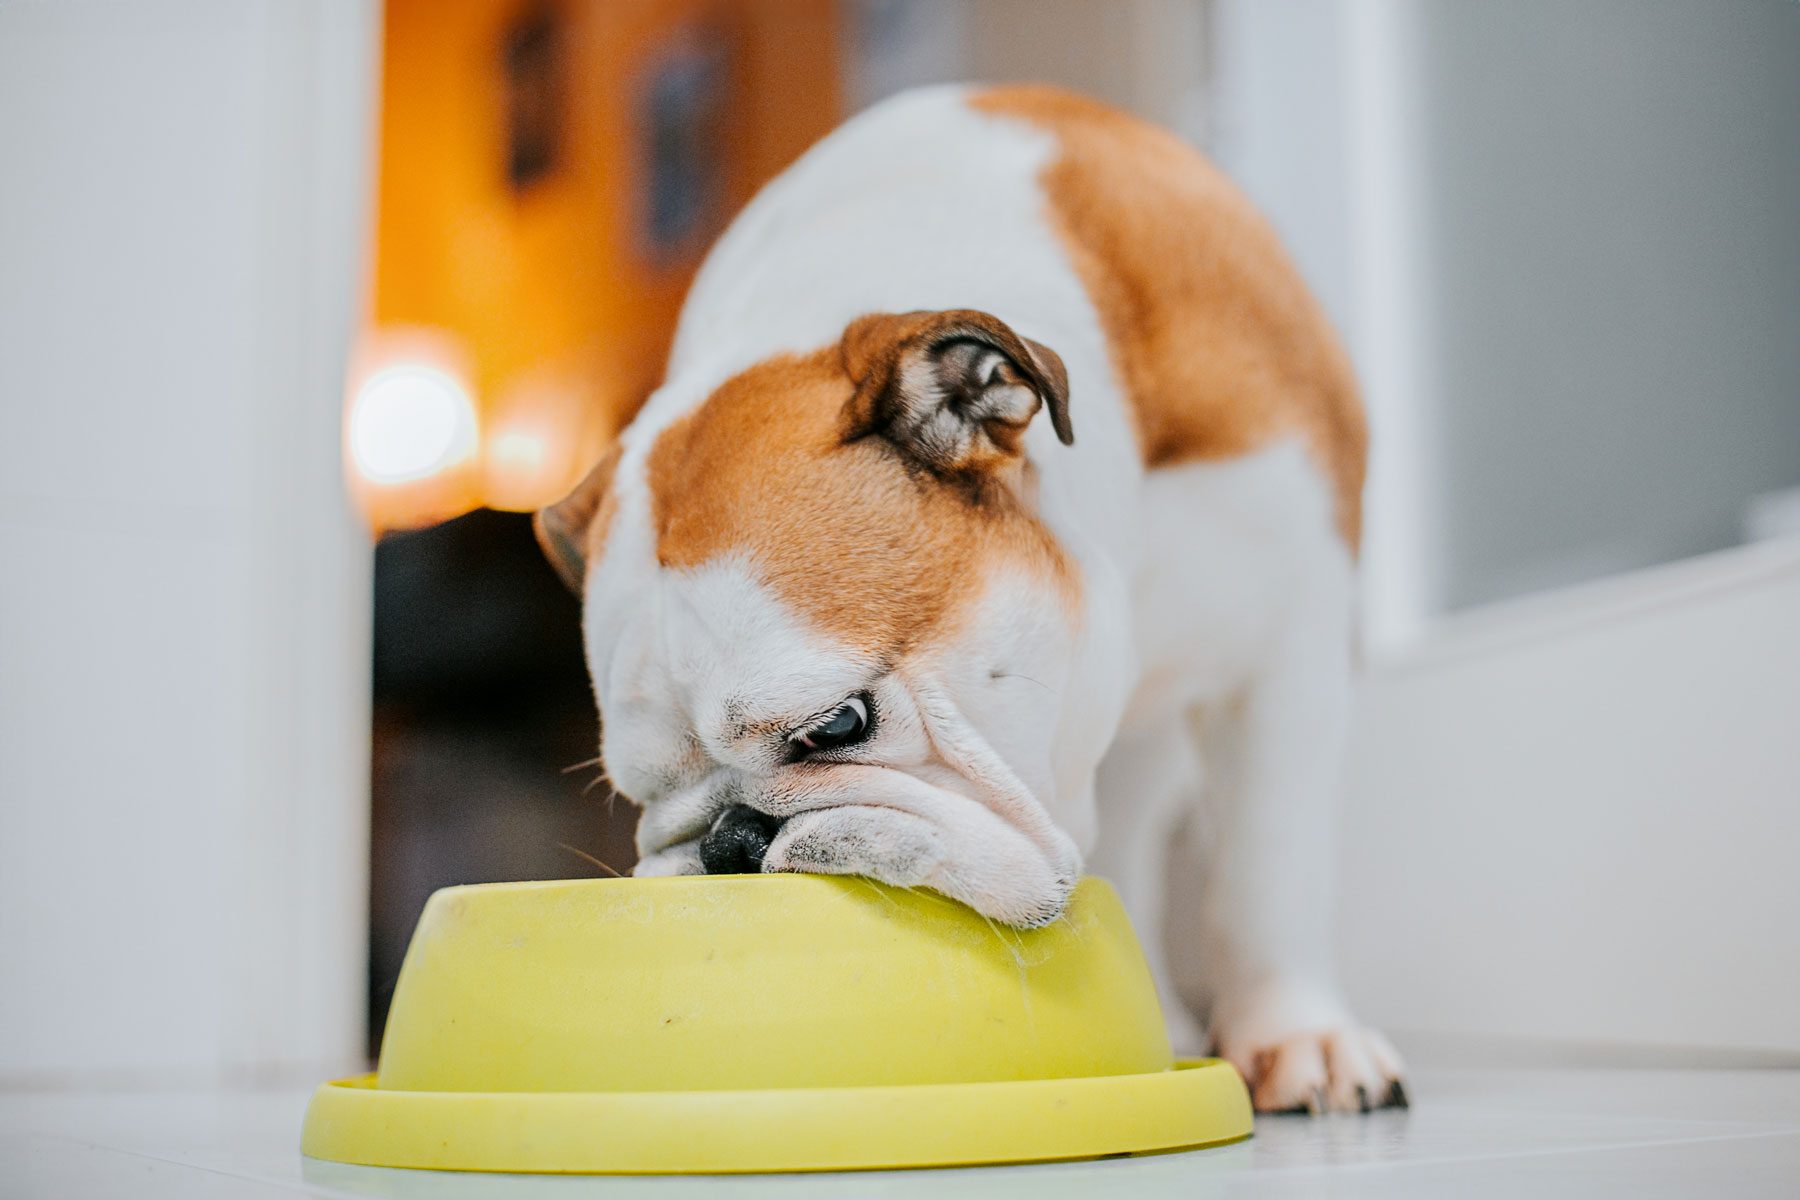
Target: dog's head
(821, 593)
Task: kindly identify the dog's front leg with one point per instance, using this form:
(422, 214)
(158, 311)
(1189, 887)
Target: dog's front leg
(1273, 759)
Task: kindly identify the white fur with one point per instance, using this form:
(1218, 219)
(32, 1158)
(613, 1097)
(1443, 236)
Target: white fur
(1215, 608)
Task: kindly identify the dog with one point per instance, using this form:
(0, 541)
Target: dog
(852, 606)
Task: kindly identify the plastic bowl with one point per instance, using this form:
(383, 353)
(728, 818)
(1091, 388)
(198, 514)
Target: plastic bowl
(766, 1023)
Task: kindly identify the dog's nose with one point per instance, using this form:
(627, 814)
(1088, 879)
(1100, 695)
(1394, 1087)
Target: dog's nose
(737, 841)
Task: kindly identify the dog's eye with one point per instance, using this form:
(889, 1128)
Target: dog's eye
(845, 725)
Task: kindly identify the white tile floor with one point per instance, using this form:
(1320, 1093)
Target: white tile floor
(1541, 1133)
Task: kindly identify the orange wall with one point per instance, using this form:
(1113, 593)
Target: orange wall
(551, 296)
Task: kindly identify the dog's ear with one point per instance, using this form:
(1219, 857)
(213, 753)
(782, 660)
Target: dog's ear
(570, 529)
(953, 389)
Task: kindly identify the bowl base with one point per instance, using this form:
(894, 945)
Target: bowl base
(1200, 1102)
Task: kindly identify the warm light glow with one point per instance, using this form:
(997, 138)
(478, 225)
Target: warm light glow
(517, 453)
(410, 421)
(523, 465)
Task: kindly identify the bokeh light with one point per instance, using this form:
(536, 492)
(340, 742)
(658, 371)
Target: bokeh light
(410, 421)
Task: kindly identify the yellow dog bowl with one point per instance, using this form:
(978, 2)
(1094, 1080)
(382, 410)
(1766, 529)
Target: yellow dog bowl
(766, 1023)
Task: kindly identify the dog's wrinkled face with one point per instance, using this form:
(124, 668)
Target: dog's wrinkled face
(821, 594)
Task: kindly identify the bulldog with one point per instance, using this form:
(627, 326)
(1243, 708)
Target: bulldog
(852, 605)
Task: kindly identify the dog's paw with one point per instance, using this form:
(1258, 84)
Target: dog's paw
(882, 843)
(1324, 1064)
(1014, 885)
(1348, 1069)
(683, 858)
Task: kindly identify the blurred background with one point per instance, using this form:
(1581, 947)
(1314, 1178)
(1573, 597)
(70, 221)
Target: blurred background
(306, 304)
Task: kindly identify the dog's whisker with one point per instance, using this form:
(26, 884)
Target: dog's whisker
(1026, 678)
(612, 792)
(878, 890)
(1016, 949)
(584, 854)
(584, 763)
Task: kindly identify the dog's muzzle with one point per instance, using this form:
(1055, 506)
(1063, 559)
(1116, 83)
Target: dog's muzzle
(738, 841)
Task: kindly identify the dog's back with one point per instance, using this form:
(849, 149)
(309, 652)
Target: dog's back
(1065, 218)
(1219, 343)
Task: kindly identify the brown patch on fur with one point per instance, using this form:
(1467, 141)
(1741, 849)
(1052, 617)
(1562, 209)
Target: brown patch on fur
(837, 522)
(1218, 342)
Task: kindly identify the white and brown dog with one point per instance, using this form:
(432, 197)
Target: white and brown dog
(850, 608)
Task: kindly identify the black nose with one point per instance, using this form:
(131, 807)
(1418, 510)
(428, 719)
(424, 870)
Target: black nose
(737, 842)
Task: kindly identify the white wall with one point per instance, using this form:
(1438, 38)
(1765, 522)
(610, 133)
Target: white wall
(1613, 237)
(184, 596)
(1148, 56)
(1575, 819)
